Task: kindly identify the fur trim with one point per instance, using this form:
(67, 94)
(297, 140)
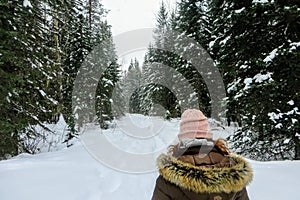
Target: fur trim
(203, 179)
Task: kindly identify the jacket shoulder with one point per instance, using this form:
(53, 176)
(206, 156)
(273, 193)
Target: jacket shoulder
(202, 179)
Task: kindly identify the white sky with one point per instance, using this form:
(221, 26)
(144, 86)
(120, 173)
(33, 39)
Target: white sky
(128, 15)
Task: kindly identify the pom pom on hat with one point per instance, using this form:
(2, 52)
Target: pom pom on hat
(194, 125)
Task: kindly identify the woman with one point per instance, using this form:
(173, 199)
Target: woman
(199, 168)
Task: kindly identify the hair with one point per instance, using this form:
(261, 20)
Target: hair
(222, 145)
(173, 148)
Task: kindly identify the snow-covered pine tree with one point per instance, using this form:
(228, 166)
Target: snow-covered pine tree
(76, 47)
(159, 71)
(255, 45)
(99, 69)
(192, 21)
(40, 59)
(63, 21)
(105, 94)
(26, 69)
(256, 52)
(107, 99)
(132, 83)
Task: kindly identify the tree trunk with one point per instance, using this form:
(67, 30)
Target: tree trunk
(90, 14)
(297, 148)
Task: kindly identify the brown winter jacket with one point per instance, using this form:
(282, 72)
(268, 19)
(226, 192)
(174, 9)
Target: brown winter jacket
(196, 176)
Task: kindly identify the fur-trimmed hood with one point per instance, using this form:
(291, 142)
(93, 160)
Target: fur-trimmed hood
(202, 179)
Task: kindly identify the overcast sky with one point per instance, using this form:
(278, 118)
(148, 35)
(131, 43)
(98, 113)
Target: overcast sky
(126, 15)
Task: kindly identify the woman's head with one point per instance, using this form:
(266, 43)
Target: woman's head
(193, 125)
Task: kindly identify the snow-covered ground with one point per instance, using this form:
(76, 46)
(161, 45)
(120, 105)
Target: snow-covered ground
(76, 174)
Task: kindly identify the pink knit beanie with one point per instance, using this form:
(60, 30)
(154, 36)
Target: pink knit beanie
(194, 125)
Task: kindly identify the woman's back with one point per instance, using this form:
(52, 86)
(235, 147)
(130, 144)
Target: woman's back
(198, 168)
(193, 175)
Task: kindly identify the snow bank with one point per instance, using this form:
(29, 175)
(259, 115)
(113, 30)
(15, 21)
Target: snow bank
(47, 140)
(73, 174)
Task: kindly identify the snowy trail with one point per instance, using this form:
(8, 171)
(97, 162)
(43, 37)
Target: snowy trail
(275, 180)
(68, 174)
(74, 174)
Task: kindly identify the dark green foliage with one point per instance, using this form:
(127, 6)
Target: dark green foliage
(132, 87)
(24, 86)
(192, 20)
(72, 130)
(160, 95)
(257, 48)
(105, 95)
(255, 45)
(173, 70)
(42, 47)
(91, 49)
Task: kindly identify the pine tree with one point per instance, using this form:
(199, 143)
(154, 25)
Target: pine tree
(132, 87)
(77, 46)
(255, 46)
(26, 71)
(159, 71)
(191, 21)
(252, 51)
(45, 44)
(96, 80)
(106, 59)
